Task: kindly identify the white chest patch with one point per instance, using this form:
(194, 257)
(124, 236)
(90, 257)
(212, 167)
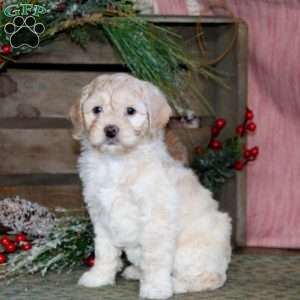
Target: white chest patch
(113, 202)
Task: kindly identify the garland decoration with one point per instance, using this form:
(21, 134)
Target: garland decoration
(218, 161)
(67, 245)
(10, 246)
(151, 52)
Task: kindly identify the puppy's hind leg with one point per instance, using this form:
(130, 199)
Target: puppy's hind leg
(203, 254)
(202, 282)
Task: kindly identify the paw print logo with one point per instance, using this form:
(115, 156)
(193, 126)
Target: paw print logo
(24, 32)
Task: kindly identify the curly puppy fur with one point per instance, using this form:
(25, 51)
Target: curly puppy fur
(140, 199)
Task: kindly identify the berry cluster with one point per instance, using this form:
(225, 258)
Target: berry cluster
(249, 155)
(10, 246)
(241, 130)
(5, 51)
(214, 143)
(247, 126)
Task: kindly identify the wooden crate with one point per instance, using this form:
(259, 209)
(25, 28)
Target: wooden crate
(37, 153)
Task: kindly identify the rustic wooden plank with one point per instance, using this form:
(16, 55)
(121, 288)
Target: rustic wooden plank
(37, 151)
(241, 180)
(65, 196)
(231, 104)
(39, 179)
(49, 123)
(27, 151)
(226, 107)
(43, 93)
(38, 123)
(96, 52)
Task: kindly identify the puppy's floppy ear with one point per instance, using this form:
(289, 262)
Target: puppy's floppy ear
(76, 117)
(158, 107)
(76, 113)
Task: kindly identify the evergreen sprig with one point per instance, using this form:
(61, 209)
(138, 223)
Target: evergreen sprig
(67, 245)
(151, 52)
(214, 168)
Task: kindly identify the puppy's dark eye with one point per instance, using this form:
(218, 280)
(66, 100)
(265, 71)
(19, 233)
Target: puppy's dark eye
(97, 110)
(131, 111)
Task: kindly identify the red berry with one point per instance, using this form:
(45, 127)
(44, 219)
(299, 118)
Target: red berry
(90, 261)
(5, 240)
(249, 115)
(10, 248)
(247, 154)
(251, 126)
(26, 246)
(238, 165)
(220, 123)
(254, 151)
(20, 237)
(215, 131)
(215, 145)
(240, 130)
(3, 259)
(6, 49)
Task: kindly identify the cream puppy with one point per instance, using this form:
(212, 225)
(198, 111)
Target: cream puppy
(140, 199)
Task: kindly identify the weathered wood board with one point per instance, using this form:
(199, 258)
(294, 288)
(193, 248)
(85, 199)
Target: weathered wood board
(52, 196)
(48, 93)
(232, 107)
(37, 151)
(53, 151)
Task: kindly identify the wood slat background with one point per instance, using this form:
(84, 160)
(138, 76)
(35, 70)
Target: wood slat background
(37, 153)
(27, 151)
(50, 93)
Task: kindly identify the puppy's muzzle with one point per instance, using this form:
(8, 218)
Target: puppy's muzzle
(111, 131)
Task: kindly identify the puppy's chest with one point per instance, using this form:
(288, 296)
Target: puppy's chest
(122, 218)
(117, 204)
(115, 173)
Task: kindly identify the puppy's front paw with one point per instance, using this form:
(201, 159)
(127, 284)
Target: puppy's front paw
(159, 287)
(95, 278)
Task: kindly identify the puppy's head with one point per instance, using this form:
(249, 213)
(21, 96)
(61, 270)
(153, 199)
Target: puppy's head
(117, 112)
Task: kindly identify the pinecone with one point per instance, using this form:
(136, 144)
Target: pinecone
(20, 215)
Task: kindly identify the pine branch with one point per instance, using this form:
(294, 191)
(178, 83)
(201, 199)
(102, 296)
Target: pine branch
(93, 19)
(214, 167)
(67, 245)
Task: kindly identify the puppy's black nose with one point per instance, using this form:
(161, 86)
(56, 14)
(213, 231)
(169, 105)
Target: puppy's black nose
(111, 131)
